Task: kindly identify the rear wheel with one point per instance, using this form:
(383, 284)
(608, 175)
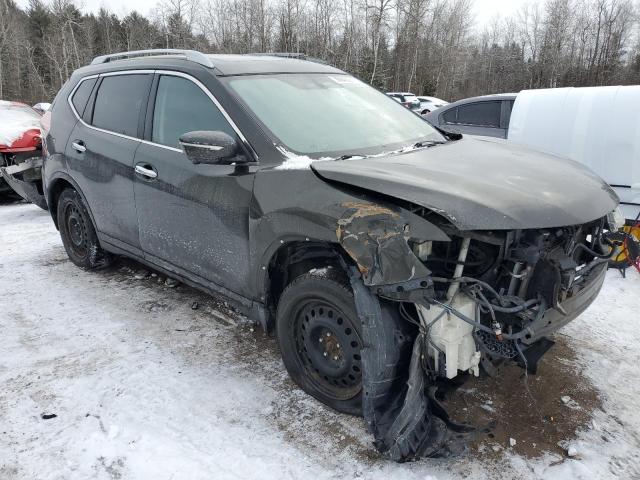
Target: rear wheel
(78, 235)
(320, 338)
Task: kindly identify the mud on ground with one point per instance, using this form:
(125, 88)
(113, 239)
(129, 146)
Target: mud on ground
(533, 410)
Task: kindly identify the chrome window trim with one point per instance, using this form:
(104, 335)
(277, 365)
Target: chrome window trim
(213, 99)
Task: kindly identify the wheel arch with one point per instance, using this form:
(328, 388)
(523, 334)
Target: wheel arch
(55, 188)
(295, 257)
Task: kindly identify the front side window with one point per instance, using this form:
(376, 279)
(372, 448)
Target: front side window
(484, 114)
(329, 115)
(119, 101)
(181, 106)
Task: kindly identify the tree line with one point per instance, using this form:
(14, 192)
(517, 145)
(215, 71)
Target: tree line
(428, 47)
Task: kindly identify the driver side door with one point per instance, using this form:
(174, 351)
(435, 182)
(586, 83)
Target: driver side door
(193, 219)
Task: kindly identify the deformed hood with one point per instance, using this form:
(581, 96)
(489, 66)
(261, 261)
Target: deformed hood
(483, 184)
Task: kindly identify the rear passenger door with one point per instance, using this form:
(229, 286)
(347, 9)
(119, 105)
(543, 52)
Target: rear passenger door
(193, 219)
(101, 149)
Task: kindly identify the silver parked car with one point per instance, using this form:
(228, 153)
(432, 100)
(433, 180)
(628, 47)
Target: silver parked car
(429, 104)
(487, 115)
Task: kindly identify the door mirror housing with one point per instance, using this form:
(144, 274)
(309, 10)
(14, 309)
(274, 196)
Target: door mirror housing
(211, 147)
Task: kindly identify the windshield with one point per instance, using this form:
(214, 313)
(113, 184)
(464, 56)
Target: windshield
(330, 115)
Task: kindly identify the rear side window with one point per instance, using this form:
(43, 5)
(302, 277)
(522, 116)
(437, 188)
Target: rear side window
(486, 114)
(119, 101)
(450, 116)
(81, 95)
(181, 106)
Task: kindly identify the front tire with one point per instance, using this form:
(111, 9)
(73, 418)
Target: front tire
(320, 338)
(78, 234)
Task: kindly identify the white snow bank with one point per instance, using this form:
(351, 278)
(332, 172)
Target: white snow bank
(15, 120)
(145, 387)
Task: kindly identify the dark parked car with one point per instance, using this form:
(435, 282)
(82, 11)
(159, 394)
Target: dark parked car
(487, 115)
(383, 253)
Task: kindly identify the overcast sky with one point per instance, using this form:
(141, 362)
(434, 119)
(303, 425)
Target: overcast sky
(484, 10)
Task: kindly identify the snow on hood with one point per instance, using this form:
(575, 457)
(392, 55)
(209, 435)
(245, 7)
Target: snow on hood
(15, 119)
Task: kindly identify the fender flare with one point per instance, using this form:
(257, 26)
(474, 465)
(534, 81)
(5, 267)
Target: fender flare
(53, 209)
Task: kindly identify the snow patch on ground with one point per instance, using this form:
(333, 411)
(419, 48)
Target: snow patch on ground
(15, 120)
(145, 387)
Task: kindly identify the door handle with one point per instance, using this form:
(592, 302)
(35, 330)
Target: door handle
(78, 146)
(146, 171)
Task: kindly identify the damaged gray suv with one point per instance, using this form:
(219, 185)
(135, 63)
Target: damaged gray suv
(383, 253)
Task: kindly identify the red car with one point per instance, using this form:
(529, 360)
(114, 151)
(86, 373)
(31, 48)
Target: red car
(20, 152)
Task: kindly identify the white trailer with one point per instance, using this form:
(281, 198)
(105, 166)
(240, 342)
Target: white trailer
(596, 126)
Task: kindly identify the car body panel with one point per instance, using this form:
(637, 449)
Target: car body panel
(596, 126)
(513, 192)
(202, 226)
(104, 172)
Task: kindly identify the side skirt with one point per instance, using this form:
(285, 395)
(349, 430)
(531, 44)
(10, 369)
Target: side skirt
(246, 306)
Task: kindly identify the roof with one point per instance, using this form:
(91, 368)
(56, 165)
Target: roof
(484, 98)
(254, 64)
(224, 64)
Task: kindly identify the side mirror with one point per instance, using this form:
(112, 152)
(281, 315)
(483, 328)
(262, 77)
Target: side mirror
(215, 148)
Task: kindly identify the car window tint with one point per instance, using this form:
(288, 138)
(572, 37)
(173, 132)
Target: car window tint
(181, 106)
(82, 94)
(450, 115)
(118, 103)
(486, 114)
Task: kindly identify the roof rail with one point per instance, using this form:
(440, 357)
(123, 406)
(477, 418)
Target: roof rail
(294, 55)
(191, 55)
(298, 55)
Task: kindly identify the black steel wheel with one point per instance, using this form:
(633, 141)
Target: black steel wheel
(78, 234)
(320, 339)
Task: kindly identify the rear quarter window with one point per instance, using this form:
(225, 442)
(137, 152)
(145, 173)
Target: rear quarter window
(450, 116)
(82, 94)
(119, 101)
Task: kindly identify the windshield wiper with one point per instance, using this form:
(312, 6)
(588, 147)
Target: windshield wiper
(347, 157)
(428, 143)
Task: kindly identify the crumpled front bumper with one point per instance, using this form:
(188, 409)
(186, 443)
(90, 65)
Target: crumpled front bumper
(25, 178)
(554, 319)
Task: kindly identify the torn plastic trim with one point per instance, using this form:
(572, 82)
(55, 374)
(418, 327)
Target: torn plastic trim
(20, 178)
(376, 238)
(395, 402)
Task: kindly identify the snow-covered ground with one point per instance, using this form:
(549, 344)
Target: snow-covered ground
(143, 386)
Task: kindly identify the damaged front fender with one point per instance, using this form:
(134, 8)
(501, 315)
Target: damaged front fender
(376, 238)
(395, 404)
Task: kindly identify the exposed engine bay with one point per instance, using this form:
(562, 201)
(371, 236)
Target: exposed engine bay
(482, 298)
(493, 289)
